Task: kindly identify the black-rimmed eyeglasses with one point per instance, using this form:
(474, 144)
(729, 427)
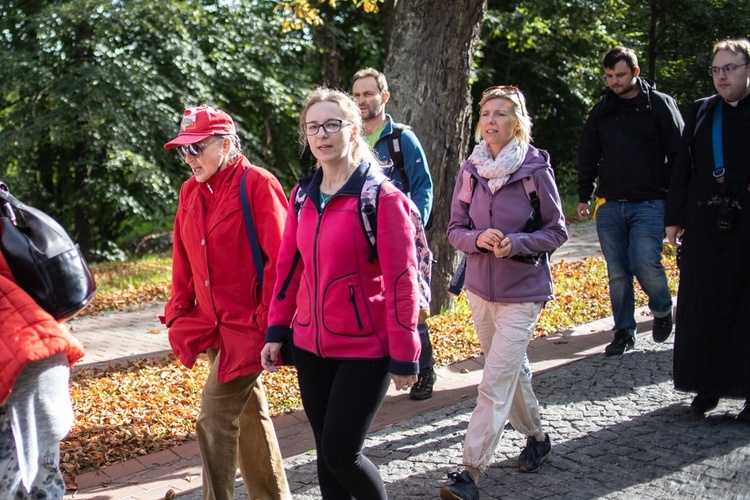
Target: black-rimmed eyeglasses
(332, 126)
(727, 70)
(195, 149)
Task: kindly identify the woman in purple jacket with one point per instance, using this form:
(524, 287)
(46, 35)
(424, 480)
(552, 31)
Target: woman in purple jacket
(508, 277)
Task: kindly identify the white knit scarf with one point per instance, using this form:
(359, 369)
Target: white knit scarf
(499, 169)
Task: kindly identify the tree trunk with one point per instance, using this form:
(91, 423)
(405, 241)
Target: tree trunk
(387, 13)
(325, 39)
(432, 49)
(657, 28)
(652, 35)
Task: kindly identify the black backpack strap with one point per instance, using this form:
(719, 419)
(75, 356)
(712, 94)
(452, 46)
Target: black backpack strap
(700, 118)
(372, 220)
(702, 112)
(473, 185)
(530, 188)
(368, 209)
(397, 156)
(252, 235)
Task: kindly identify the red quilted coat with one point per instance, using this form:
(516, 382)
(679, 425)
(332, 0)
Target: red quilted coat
(215, 301)
(28, 333)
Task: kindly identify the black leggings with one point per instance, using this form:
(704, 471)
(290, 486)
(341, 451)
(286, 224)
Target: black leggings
(341, 398)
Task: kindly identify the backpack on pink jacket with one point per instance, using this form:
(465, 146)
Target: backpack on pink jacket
(368, 209)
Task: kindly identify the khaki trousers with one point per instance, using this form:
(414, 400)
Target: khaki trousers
(233, 428)
(505, 392)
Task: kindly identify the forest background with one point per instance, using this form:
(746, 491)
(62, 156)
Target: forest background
(90, 90)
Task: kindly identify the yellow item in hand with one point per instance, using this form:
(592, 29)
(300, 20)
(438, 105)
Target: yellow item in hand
(598, 202)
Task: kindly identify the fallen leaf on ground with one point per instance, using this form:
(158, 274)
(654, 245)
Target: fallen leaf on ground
(151, 405)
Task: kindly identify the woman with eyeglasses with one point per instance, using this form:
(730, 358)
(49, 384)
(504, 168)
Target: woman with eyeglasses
(353, 321)
(217, 306)
(508, 279)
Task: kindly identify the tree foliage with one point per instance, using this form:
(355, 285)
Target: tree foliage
(297, 14)
(553, 50)
(90, 90)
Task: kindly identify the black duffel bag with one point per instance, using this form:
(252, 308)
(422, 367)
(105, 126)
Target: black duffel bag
(45, 262)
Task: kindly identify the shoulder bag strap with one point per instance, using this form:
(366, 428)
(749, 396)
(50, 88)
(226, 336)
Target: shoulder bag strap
(252, 235)
(718, 144)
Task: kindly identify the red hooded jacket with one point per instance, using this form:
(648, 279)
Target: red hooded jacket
(215, 300)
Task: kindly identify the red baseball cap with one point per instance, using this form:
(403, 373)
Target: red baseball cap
(201, 122)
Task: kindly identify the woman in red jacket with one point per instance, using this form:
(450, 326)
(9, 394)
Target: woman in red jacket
(217, 307)
(36, 355)
(354, 322)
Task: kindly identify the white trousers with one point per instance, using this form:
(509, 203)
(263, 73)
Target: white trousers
(505, 392)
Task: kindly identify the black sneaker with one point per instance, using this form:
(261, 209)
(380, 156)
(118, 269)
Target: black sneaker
(624, 341)
(702, 404)
(534, 454)
(662, 328)
(463, 487)
(423, 388)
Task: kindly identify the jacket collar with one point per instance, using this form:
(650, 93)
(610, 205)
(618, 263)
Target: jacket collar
(646, 86)
(610, 101)
(388, 130)
(352, 187)
(195, 203)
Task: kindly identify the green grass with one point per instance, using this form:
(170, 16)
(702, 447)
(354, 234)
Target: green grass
(124, 284)
(570, 206)
(118, 276)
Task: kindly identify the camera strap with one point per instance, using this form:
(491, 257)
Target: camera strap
(718, 144)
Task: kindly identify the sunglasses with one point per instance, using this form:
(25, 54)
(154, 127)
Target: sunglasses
(195, 149)
(506, 89)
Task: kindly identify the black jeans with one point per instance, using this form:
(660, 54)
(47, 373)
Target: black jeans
(341, 398)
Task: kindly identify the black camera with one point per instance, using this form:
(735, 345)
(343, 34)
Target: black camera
(728, 210)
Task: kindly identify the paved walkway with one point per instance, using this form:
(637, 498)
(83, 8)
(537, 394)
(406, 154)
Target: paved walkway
(618, 428)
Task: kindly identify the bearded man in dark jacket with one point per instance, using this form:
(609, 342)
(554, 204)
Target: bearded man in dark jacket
(630, 142)
(709, 208)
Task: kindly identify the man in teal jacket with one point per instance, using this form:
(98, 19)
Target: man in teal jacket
(397, 144)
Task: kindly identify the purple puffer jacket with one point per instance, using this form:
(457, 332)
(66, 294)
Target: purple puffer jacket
(475, 208)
